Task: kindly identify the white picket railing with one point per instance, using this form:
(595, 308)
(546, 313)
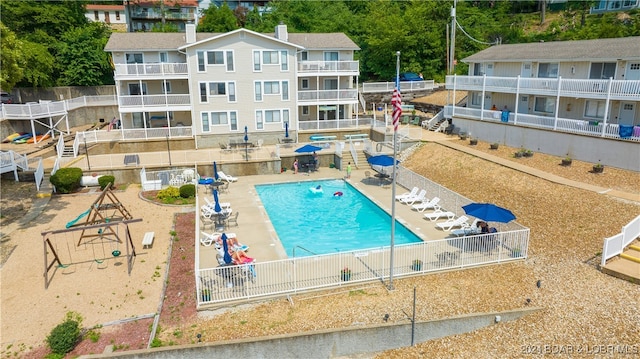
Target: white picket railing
(615, 245)
(405, 86)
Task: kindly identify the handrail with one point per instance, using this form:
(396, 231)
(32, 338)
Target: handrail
(294, 251)
(615, 245)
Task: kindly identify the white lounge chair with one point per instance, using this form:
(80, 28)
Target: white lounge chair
(453, 223)
(439, 213)
(212, 205)
(208, 239)
(413, 192)
(227, 178)
(417, 198)
(469, 230)
(433, 204)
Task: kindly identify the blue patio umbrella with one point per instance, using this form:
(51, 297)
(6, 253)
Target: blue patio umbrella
(216, 206)
(381, 160)
(489, 212)
(308, 149)
(225, 248)
(215, 171)
(286, 129)
(246, 143)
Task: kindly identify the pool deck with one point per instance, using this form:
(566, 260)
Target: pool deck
(254, 227)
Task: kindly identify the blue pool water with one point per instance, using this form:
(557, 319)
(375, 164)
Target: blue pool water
(323, 223)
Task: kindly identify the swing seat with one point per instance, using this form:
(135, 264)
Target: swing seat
(147, 240)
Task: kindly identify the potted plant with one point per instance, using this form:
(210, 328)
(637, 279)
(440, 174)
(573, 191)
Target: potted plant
(494, 146)
(473, 141)
(463, 135)
(345, 274)
(416, 265)
(566, 161)
(518, 154)
(598, 168)
(527, 153)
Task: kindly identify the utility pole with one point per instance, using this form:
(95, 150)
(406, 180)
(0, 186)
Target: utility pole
(453, 39)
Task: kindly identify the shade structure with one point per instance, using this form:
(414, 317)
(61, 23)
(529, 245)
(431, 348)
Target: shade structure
(308, 149)
(381, 160)
(225, 248)
(489, 212)
(215, 171)
(286, 129)
(216, 205)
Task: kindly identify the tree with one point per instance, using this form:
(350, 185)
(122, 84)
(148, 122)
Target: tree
(38, 65)
(81, 57)
(10, 58)
(219, 19)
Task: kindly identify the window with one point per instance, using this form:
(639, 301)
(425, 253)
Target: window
(284, 63)
(215, 58)
(304, 56)
(270, 57)
(305, 110)
(217, 88)
(634, 66)
(285, 117)
(205, 122)
(285, 90)
(118, 15)
(304, 84)
(271, 87)
(259, 123)
(331, 84)
(476, 99)
(478, 69)
(230, 61)
(544, 105)
(96, 15)
(258, 91)
(257, 65)
(232, 92)
(166, 87)
(201, 61)
(134, 58)
(548, 70)
(271, 116)
(203, 92)
(233, 120)
(331, 56)
(219, 118)
(135, 89)
(602, 70)
(164, 57)
(594, 109)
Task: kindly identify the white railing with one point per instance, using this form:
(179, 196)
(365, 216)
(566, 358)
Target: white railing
(328, 95)
(615, 245)
(39, 173)
(335, 124)
(431, 122)
(307, 67)
(159, 70)
(597, 89)
(589, 128)
(405, 86)
(53, 108)
(154, 100)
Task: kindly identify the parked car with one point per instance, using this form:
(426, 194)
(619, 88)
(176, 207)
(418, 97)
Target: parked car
(6, 97)
(410, 76)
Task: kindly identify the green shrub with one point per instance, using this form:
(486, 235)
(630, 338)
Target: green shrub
(169, 192)
(188, 190)
(103, 181)
(67, 180)
(66, 335)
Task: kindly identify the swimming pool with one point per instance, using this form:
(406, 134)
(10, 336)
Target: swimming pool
(320, 223)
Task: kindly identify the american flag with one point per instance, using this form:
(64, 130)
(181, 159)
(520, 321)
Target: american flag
(396, 101)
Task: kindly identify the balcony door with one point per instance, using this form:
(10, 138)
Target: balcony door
(633, 71)
(627, 113)
(523, 104)
(135, 89)
(526, 70)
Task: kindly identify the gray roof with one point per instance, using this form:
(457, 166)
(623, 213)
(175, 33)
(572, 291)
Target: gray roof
(627, 48)
(146, 41)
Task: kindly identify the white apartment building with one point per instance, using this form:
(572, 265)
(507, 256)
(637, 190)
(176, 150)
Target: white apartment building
(212, 86)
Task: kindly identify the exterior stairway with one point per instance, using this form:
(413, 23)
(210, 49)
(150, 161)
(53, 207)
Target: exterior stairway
(627, 265)
(362, 159)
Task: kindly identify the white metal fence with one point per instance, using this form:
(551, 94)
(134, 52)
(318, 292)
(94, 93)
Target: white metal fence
(53, 108)
(405, 86)
(616, 244)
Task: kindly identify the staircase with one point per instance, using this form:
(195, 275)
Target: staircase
(627, 265)
(362, 159)
(632, 254)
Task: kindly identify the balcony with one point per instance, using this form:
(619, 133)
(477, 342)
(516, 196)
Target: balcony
(155, 102)
(579, 88)
(157, 15)
(317, 97)
(323, 68)
(151, 70)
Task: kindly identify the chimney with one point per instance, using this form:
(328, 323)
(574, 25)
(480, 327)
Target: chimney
(281, 32)
(191, 33)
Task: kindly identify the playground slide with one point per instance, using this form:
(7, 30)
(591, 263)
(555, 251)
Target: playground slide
(71, 223)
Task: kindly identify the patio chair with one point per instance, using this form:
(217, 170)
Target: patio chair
(433, 204)
(439, 213)
(467, 229)
(233, 219)
(453, 223)
(208, 239)
(227, 178)
(417, 198)
(413, 192)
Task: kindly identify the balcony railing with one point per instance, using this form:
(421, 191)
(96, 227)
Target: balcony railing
(585, 88)
(53, 108)
(344, 95)
(154, 100)
(405, 86)
(158, 15)
(159, 70)
(348, 67)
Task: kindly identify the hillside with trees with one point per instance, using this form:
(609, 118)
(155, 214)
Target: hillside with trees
(51, 43)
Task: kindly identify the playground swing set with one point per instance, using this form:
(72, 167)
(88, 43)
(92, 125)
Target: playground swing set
(106, 225)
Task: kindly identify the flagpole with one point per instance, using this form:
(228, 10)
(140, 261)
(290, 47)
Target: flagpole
(396, 118)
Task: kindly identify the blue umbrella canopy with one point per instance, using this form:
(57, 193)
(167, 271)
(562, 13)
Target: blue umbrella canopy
(308, 149)
(286, 129)
(216, 207)
(489, 212)
(225, 248)
(381, 160)
(215, 171)
(246, 134)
